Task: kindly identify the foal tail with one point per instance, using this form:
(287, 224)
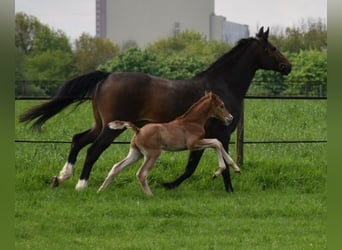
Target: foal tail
(74, 90)
(122, 125)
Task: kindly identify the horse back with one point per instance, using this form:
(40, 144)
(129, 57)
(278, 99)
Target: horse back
(139, 97)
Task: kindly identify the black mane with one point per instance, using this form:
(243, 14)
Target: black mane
(228, 58)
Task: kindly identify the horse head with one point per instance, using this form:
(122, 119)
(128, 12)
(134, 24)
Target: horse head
(269, 57)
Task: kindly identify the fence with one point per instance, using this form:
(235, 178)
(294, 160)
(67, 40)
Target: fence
(240, 142)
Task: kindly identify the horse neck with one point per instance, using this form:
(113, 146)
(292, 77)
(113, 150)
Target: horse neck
(199, 113)
(236, 72)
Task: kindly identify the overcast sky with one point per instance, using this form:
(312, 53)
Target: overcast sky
(77, 16)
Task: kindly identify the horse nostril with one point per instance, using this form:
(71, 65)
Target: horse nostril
(285, 69)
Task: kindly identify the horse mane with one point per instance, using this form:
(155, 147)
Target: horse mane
(194, 105)
(228, 58)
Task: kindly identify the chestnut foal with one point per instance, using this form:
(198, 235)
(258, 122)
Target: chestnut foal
(185, 132)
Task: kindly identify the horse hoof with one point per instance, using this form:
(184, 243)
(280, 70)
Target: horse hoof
(54, 182)
(168, 185)
(237, 171)
(214, 177)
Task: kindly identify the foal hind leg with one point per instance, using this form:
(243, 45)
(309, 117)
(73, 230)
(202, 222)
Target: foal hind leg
(79, 141)
(133, 156)
(142, 173)
(101, 143)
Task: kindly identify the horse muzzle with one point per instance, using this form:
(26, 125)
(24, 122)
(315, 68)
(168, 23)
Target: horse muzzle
(285, 69)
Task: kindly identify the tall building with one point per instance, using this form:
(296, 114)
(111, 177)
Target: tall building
(144, 21)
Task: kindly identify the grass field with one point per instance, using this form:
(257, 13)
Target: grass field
(280, 199)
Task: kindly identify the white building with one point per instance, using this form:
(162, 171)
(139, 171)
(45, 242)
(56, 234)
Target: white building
(144, 21)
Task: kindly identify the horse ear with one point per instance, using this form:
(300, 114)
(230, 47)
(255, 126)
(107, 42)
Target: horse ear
(260, 32)
(263, 35)
(266, 33)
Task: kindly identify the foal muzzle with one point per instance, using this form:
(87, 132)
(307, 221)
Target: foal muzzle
(229, 119)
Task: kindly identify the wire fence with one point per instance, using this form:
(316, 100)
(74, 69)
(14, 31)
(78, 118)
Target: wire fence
(239, 142)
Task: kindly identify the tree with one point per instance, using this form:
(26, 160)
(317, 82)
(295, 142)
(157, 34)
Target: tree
(44, 57)
(310, 34)
(146, 61)
(309, 73)
(91, 51)
(132, 60)
(49, 69)
(189, 44)
(31, 36)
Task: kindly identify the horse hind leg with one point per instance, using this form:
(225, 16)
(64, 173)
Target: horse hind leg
(79, 141)
(190, 168)
(133, 156)
(101, 143)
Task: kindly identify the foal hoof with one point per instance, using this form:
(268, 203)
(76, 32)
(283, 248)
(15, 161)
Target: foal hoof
(54, 182)
(214, 176)
(237, 171)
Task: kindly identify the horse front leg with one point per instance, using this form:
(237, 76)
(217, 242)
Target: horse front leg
(224, 138)
(190, 168)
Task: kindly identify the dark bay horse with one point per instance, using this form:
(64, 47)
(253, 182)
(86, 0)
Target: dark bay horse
(186, 132)
(141, 98)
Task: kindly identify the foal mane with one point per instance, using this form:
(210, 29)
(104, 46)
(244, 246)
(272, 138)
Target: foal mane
(228, 58)
(206, 96)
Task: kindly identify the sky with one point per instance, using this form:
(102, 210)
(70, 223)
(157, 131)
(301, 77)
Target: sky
(75, 17)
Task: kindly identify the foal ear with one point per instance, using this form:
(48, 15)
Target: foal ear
(208, 93)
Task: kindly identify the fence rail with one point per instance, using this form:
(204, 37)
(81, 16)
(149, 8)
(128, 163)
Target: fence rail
(239, 130)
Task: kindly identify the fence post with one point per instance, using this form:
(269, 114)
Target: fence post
(239, 136)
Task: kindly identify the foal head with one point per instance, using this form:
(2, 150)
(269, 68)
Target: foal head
(269, 57)
(218, 109)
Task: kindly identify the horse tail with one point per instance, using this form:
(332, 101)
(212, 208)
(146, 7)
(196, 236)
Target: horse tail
(74, 90)
(122, 125)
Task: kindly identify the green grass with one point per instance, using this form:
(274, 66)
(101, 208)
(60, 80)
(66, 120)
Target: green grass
(280, 199)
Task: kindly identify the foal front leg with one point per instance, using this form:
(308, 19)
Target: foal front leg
(221, 153)
(230, 161)
(227, 158)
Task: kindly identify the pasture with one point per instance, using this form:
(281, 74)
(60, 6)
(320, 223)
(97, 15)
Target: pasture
(280, 199)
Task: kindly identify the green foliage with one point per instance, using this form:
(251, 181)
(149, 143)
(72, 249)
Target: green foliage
(188, 44)
(43, 57)
(177, 57)
(309, 35)
(308, 76)
(49, 69)
(92, 51)
(146, 61)
(33, 37)
(309, 73)
(132, 60)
